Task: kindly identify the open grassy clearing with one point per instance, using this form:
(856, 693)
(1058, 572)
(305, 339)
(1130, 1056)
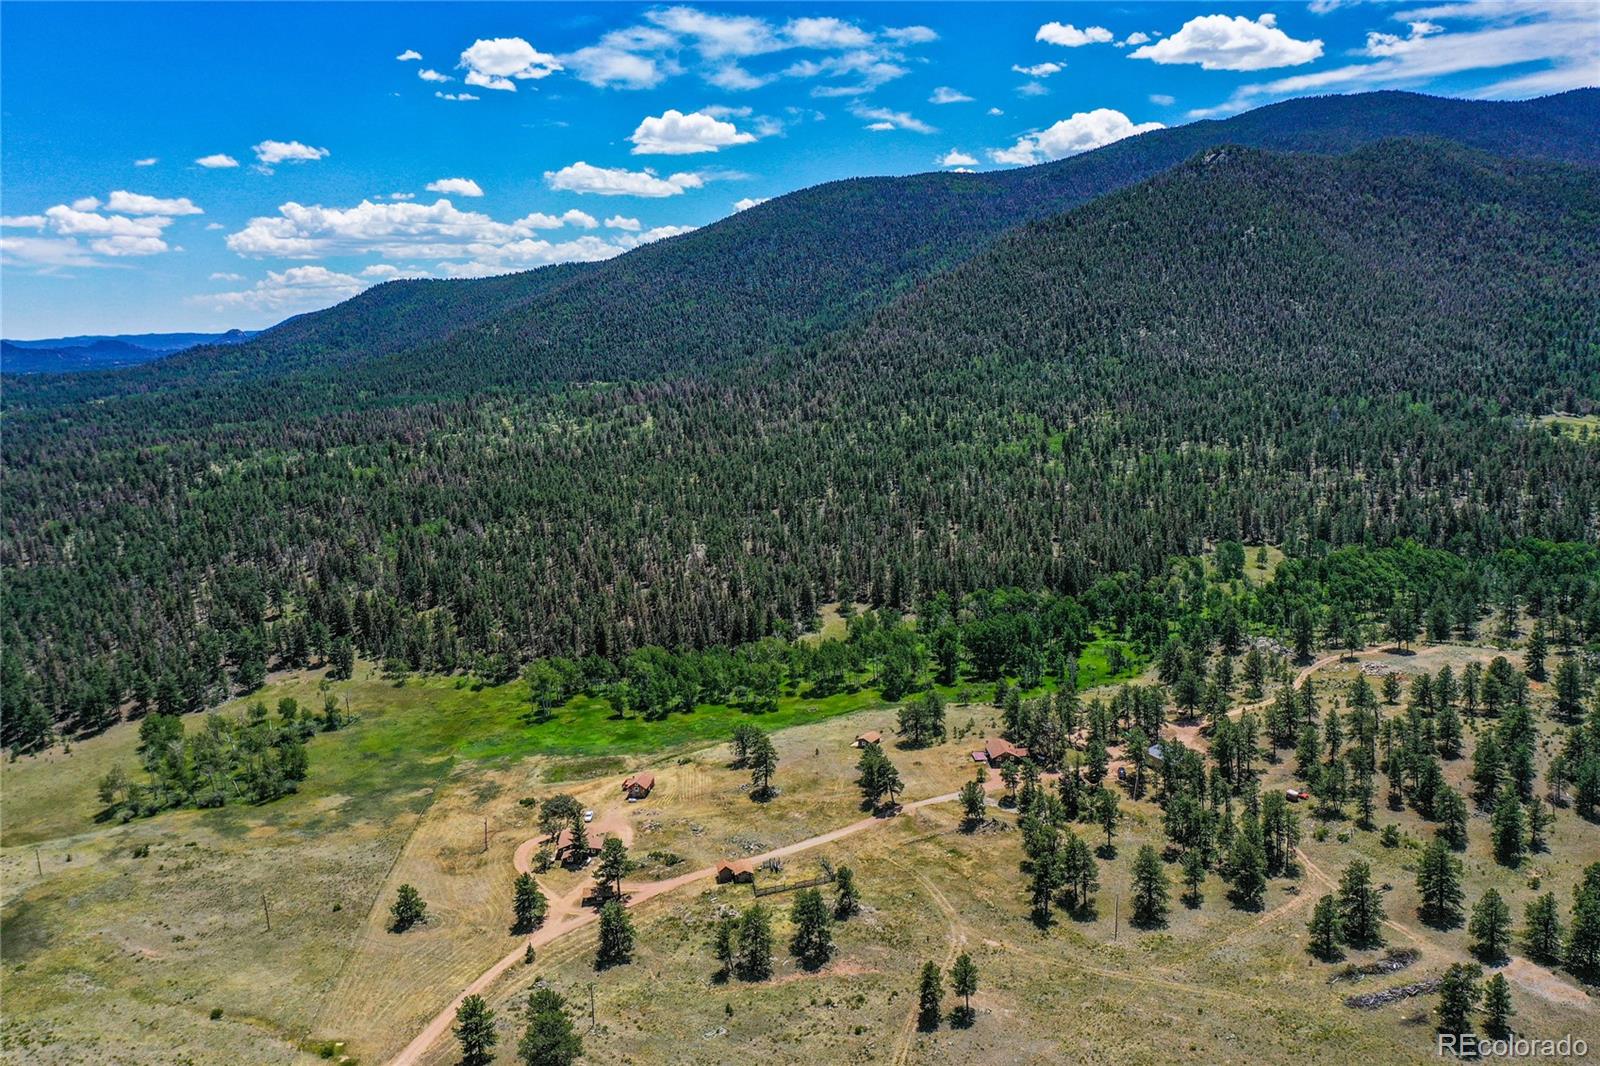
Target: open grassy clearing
(376, 812)
(1578, 427)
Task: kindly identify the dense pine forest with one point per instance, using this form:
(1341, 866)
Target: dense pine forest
(1054, 381)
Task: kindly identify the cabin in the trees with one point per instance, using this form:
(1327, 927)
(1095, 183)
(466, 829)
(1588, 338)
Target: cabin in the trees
(997, 751)
(568, 853)
(871, 736)
(639, 785)
(741, 871)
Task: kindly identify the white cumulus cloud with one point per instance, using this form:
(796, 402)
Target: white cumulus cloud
(499, 62)
(946, 95)
(271, 153)
(1080, 133)
(675, 133)
(455, 186)
(1038, 70)
(148, 161)
(749, 201)
(1221, 42)
(1069, 36)
(132, 203)
(623, 222)
(409, 55)
(955, 157)
(216, 161)
(581, 177)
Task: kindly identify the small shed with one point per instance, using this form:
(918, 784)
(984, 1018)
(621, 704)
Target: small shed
(741, 871)
(871, 736)
(1157, 754)
(639, 785)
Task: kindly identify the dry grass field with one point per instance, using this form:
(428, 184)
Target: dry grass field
(160, 942)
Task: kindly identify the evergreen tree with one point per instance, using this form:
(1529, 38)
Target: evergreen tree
(528, 905)
(972, 803)
(1106, 815)
(1490, 928)
(724, 942)
(616, 936)
(1451, 810)
(1194, 875)
(754, 956)
(1326, 929)
(762, 759)
(1541, 935)
(813, 929)
(930, 991)
(1247, 868)
(1497, 1009)
(1583, 933)
(1360, 907)
(964, 983)
(1509, 828)
(1150, 892)
(1459, 994)
(1439, 886)
(846, 897)
(408, 909)
(549, 1039)
(474, 1030)
(612, 866)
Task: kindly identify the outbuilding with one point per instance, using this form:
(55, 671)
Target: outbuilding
(871, 736)
(741, 871)
(639, 785)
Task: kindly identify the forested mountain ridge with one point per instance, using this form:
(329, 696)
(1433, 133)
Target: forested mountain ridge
(767, 278)
(1298, 349)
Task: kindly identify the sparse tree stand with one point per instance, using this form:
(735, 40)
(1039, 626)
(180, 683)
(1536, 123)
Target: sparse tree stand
(408, 910)
(528, 905)
(1459, 994)
(964, 983)
(549, 1039)
(1150, 892)
(930, 992)
(616, 936)
(475, 1031)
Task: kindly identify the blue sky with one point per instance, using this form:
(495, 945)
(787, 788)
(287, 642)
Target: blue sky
(178, 166)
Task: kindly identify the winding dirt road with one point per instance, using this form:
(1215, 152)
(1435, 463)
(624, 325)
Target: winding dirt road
(567, 913)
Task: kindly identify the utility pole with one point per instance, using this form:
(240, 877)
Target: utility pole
(37, 862)
(486, 836)
(591, 1006)
(1116, 920)
(267, 911)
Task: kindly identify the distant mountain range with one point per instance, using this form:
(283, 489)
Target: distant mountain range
(62, 355)
(1320, 324)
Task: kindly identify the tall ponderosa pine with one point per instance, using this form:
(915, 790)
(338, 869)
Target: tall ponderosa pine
(475, 1032)
(1439, 886)
(1150, 891)
(549, 1038)
(616, 936)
